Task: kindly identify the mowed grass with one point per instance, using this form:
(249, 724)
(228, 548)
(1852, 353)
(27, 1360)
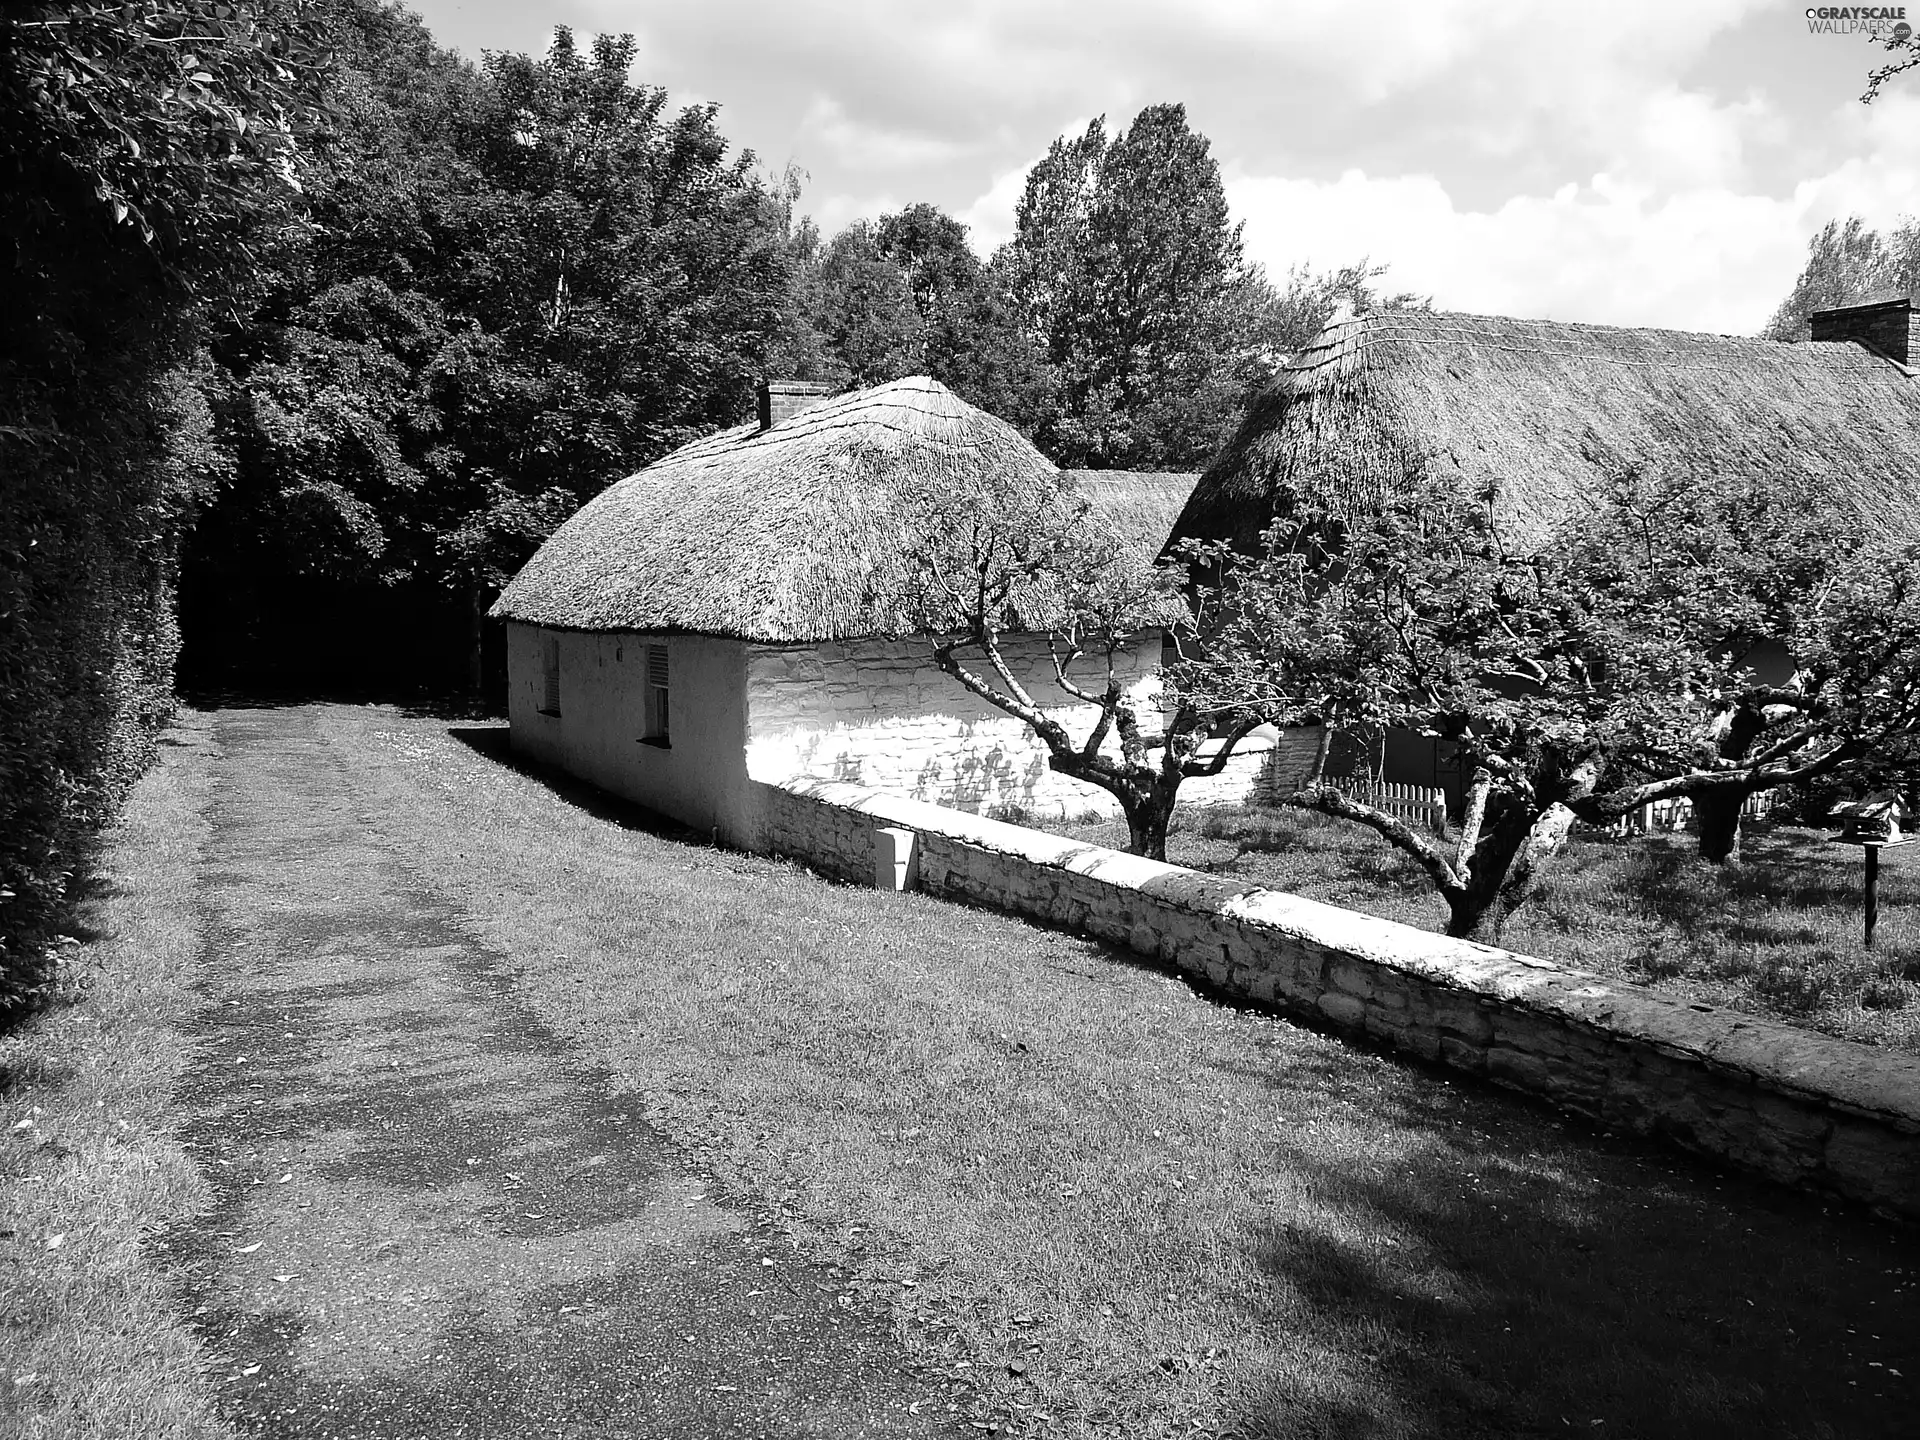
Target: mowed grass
(90, 1345)
(1778, 933)
(1105, 1205)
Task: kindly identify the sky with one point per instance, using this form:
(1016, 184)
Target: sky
(1633, 162)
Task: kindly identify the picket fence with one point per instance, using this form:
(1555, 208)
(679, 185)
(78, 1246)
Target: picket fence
(1677, 814)
(1420, 804)
(1427, 805)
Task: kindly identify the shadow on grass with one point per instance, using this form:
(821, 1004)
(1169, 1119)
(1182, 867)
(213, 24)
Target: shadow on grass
(1464, 1263)
(1509, 1273)
(495, 743)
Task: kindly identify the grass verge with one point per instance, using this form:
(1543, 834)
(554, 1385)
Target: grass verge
(1777, 934)
(89, 1166)
(1104, 1205)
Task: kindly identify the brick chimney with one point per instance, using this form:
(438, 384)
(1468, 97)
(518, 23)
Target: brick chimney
(783, 399)
(1886, 328)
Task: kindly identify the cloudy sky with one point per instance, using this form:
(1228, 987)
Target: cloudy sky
(1634, 162)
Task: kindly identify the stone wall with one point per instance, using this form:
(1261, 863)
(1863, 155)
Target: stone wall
(1784, 1102)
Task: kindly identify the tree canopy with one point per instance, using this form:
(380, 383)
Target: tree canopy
(1127, 267)
(149, 149)
(522, 281)
(1704, 637)
(1849, 264)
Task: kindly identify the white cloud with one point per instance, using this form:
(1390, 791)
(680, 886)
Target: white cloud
(989, 220)
(861, 146)
(1619, 250)
(1633, 162)
(1684, 139)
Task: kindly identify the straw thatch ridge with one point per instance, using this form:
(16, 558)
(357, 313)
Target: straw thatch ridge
(798, 533)
(1536, 412)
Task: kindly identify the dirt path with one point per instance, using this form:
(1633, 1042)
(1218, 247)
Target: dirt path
(432, 1221)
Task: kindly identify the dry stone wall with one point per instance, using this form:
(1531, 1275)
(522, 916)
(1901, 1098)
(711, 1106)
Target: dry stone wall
(1797, 1106)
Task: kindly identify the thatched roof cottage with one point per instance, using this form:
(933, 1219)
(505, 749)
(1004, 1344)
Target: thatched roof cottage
(740, 611)
(1537, 411)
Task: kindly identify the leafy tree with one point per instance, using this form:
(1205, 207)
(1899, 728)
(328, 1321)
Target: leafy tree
(523, 282)
(867, 313)
(1848, 264)
(973, 343)
(1021, 559)
(907, 296)
(1904, 51)
(149, 148)
(1127, 270)
(1617, 665)
(1045, 262)
(1127, 267)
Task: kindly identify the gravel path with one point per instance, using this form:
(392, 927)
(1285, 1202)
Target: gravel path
(432, 1221)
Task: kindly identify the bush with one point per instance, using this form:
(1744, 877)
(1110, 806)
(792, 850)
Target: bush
(138, 184)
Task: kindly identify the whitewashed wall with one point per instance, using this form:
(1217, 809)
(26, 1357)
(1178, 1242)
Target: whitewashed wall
(882, 714)
(699, 779)
(876, 713)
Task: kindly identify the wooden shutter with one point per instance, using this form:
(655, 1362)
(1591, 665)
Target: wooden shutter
(550, 674)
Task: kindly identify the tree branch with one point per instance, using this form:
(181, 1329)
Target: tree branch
(1329, 801)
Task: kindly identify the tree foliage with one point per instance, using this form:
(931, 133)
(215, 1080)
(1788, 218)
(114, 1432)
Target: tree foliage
(908, 296)
(148, 150)
(1128, 273)
(1849, 264)
(1681, 636)
(1127, 267)
(1031, 560)
(522, 282)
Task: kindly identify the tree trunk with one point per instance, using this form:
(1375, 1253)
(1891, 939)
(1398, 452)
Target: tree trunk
(476, 642)
(1505, 872)
(1147, 830)
(1717, 813)
(1474, 916)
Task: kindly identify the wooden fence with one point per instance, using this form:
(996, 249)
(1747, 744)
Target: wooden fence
(1677, 814)
(1427, 805)
(1421, 804)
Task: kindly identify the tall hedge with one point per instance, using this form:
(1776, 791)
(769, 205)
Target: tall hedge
(146, 148)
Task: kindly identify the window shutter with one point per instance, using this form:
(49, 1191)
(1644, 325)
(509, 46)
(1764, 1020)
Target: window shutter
(550, 667)
(656, 706)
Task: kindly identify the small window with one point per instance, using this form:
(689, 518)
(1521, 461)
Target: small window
(655, 732)
(550, 675)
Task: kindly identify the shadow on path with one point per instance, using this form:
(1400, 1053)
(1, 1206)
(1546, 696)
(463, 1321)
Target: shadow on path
(431, 1220)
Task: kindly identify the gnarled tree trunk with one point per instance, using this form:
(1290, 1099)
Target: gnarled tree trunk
(1147, 824)
(1717, 813)
(1507, 863)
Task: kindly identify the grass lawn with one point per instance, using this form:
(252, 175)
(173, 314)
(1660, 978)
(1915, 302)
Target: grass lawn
(90, 1346)
(1778, 934)
(1105, 1205)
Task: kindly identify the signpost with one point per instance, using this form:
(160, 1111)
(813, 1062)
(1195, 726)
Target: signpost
(1874, 825)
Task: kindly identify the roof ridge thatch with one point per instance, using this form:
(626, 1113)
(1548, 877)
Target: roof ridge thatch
(1534, 411)
(800, 532)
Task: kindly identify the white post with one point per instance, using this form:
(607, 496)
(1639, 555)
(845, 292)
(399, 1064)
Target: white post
(895, 859)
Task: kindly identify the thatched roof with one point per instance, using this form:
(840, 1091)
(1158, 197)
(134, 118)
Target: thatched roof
(1140, 504)
(801, 532)
(1538, 411)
